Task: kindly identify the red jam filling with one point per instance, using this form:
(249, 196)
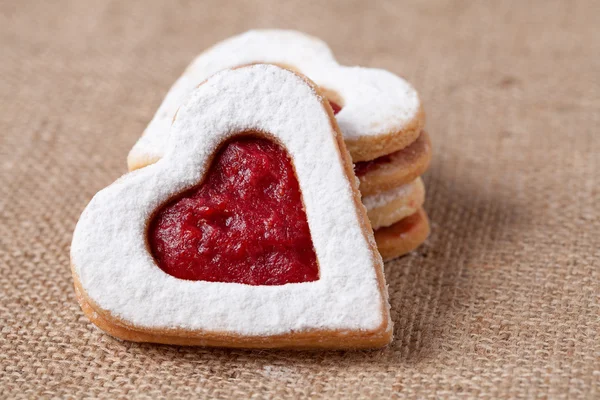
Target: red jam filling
(362, 167)
(408, 155)
(245, 223)
(335, 107)
(405, 225)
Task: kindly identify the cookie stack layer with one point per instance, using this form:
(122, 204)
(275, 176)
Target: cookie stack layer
(393, 194)
(379, 115)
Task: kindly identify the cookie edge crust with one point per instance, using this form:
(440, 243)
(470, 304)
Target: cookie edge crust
(399, 208)
(400, 171)
(392, 245)
(370, 147)
(296, 340)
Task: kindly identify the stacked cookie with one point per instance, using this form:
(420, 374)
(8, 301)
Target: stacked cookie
(379, 114)
(393, 194)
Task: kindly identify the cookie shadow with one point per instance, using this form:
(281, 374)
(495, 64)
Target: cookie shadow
(472, 222)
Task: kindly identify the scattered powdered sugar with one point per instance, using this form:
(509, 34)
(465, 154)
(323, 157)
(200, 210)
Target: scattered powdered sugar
(381, 199)
(116, 270)
(375, 102)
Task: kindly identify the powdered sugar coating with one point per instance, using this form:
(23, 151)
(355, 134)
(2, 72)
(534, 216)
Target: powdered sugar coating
(116, 270)
(375, 102)
(381, 199)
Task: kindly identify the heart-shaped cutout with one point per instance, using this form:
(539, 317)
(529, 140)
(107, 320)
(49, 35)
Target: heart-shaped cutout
(245, 223)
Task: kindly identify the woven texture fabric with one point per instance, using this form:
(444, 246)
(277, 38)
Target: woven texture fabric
(501, 302)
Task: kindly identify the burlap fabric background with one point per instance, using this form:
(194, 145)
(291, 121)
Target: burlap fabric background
(502, 301)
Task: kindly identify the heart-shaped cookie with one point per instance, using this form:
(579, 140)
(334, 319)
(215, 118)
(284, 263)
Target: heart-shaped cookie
(379, 112)
(124, 289)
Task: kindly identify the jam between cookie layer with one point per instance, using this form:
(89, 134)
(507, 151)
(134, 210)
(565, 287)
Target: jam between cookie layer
(245, 223)
(335, 107)
(405, 157)
(404, 236)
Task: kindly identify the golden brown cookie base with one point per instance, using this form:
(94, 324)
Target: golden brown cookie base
(334, 339)
(371, 147)
(402, 237)
(397, 168)
(406, 204)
